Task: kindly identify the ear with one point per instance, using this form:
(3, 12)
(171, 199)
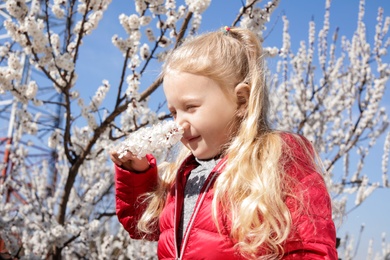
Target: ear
(242, 92)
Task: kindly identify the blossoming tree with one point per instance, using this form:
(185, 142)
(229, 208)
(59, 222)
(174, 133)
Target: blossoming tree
(61, 205)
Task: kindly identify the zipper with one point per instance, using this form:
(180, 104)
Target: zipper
(197, 208)
(175, 219)
(174, 225)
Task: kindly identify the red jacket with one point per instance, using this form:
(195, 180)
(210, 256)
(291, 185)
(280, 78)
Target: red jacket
(313, 235)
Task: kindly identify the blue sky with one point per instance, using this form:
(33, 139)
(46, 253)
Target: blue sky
(99, 60)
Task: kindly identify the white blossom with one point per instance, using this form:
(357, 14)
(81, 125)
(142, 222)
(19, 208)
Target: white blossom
(144, 51)
(170, 4)
(272, 52)
(130, 23)
(135, 62)
(133, 85)
(150, 35)
(140, 6)
(149, 139)
(4, 49)
(65, 61)
(99, 96)
(58, 11)
(163, 41)
(17, 8)
(31, 89)
(145, 20)
(14, 62)
(198, 6)
(385, 160)
(54, 139)
(157, 7)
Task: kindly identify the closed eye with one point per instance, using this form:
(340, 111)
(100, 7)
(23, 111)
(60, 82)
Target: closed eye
(191, 108)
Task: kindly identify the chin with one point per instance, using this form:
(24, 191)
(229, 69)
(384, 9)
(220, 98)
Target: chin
(203, 156)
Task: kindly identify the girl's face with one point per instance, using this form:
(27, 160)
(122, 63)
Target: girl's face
(205, 112)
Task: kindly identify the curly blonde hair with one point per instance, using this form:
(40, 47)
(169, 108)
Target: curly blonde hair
(253, 187)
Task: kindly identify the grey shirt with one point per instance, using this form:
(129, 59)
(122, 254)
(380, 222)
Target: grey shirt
(194, 184)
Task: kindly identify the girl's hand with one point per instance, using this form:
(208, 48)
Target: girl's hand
(130, 162)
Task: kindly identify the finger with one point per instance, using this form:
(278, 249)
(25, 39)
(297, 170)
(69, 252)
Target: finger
(115, 159)
(129, 156)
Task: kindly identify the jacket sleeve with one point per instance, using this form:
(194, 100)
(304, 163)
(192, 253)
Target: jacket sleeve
(313, 233)
(129, 186)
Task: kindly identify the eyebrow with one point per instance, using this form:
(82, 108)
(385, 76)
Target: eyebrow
(188, 98)
(183, 99)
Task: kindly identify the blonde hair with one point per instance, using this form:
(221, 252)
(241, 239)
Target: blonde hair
(253, 187)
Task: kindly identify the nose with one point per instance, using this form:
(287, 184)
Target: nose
(185, 126)
(182, 121)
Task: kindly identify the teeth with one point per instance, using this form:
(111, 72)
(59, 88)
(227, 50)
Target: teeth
(149, 139)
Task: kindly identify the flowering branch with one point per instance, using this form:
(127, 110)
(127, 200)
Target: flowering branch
(149, 140)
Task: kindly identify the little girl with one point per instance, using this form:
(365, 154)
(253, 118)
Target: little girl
(239, 189)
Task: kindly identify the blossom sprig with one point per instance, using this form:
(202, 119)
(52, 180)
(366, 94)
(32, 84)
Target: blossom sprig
(255, 18)
(151, 139)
